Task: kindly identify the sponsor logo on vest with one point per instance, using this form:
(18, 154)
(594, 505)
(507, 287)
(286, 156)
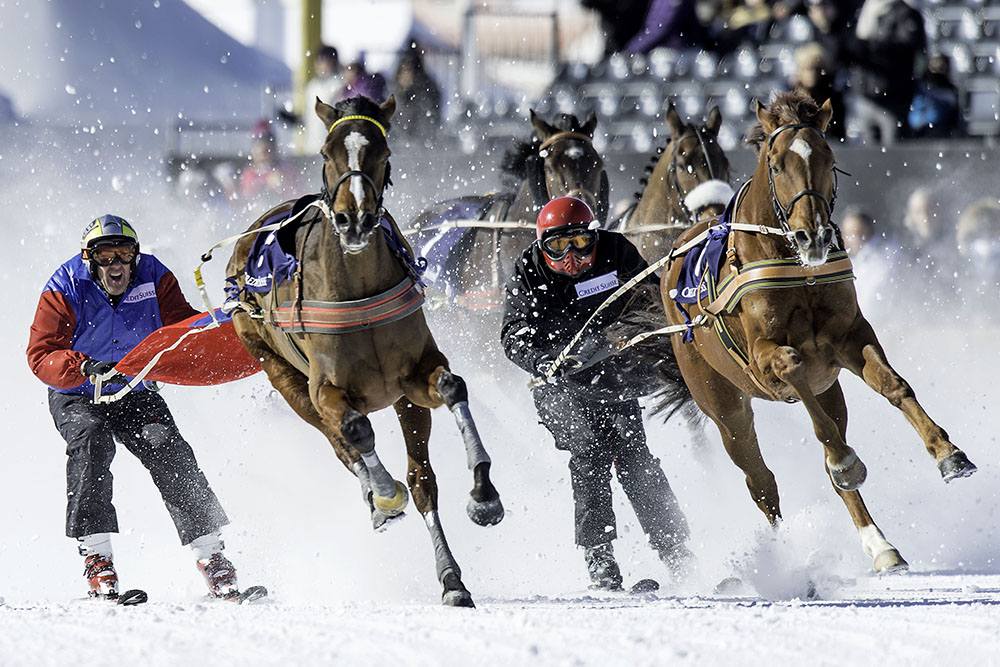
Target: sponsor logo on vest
(692, 292)
(257, 281)
(597, 285)
(141, 293)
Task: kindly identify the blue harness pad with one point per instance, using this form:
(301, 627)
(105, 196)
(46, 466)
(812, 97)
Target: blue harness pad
(437, 245)
(268, 262)
(701, 266)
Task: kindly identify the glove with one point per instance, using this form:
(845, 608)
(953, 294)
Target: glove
(94, 369)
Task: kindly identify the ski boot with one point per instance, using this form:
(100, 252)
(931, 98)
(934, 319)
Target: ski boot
(678, 559)
(101, 575)
(220, 576)
(602, 567)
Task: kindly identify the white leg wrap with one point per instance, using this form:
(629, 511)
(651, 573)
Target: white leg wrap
(382, 482)
(475, 453)
(443, 558)
(873, 541)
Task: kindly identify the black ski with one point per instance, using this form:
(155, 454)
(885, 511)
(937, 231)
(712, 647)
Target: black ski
(132, 597)
(252, 594)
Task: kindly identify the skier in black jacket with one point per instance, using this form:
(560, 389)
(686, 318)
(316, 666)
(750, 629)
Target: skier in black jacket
(589, 404)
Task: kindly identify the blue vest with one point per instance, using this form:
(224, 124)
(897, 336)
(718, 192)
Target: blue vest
(102, 331)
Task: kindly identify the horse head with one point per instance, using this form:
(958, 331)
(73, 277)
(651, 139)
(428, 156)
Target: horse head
(799, 167)
(565, 163)
(698, 169)
(355, 166)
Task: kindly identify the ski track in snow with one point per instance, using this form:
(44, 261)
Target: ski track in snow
(343, 595)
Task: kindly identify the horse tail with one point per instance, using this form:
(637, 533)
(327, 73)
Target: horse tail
(643, 313)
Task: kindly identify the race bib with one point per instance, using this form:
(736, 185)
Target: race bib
(597, 285)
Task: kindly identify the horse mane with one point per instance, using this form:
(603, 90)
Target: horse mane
(362, 106)
(789, 107)
(514, 163)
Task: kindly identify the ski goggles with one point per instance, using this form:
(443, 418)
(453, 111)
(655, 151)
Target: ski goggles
(108, 255)
(558, 245)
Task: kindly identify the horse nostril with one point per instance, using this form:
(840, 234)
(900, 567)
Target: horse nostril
(827, 236)
(802, 237)
(341, 221)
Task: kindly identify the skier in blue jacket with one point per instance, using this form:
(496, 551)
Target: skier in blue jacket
(94, 309)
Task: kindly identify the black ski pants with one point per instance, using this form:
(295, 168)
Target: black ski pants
(142, 423)
(598, 435)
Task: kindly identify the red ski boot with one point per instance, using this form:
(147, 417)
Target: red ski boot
(101, 576)
(220, 575)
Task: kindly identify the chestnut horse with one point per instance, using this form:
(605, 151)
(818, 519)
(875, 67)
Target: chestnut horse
(784, 319)
(558, 160)
(346, 335)
(688, 182)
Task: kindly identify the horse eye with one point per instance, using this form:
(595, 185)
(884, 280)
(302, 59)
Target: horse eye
(775, 170)
(324, 156)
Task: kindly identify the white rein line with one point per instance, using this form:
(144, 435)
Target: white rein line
(464, 224)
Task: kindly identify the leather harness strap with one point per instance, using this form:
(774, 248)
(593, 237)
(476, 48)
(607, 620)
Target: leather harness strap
(338, 317)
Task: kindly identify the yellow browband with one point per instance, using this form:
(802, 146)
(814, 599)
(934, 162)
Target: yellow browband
(368, 118)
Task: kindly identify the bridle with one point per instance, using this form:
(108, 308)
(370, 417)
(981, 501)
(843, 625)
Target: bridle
(783, 212)
(673, 180)
(329, 194)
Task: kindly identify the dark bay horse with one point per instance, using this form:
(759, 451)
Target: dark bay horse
(345, 335)
(783, 319)
(689, 182)
(558, 160)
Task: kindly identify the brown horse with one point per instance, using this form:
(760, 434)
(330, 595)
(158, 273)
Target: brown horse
(689, 182)
(346, 336)
(558, 160)
(784, 319)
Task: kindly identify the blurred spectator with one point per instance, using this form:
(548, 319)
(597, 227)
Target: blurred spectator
(744, 22)
(326, 84)
(935, 108)
(871, 256)
(815, 75)
(359, 82)
(928, 243)
(668, 23)
(978, 240)
(890, 41)
(266, 173)
(418, 97)
(831, 24)
(620, 20)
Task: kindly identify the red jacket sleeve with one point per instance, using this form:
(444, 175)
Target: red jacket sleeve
(49, 355)
(173, 306)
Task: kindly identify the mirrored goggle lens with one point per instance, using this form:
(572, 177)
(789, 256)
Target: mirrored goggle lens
(106, 256)
(560, 245)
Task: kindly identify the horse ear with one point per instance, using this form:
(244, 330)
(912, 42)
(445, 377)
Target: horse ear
(589, 125)
(768, 120)
(388, 107)
(824, 115)
(674, 122)
(714, 121)
(543, 129)
(326, 113)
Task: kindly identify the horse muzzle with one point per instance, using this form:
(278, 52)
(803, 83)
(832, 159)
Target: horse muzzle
(813, 245)
(354, 229)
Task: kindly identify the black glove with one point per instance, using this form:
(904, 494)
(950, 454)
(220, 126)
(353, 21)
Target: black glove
(93, 369)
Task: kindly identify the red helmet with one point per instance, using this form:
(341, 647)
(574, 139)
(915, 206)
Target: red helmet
(563, 212)
(567, 235)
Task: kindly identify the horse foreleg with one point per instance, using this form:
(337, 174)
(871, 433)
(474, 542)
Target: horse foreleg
(885, 557)
(730, 410)
(415, 421)
(484, 506)
(387, 498)
(846, 469)
(864, 356)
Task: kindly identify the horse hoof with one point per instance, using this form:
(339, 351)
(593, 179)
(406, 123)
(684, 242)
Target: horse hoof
(849, 474)
(889, 561)
(455, 593)
(381, 521)
(955, 466)
(394, 505)
(486, 513)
